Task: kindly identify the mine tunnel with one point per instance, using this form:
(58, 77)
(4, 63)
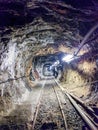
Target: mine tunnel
(48, 65)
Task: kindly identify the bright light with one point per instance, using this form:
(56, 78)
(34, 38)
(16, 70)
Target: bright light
(68, 58)
(56, 63)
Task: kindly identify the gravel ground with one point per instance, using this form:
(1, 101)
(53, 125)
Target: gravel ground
(73, 119)
(19, 118)
(49, 115)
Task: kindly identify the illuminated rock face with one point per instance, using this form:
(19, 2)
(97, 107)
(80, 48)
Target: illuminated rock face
(43, 27)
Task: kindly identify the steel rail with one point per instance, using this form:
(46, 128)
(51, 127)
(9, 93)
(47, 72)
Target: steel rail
(88, 109)
(92, 119)
(61, 108)
(81, 103)
(80, 111)
(37, 107)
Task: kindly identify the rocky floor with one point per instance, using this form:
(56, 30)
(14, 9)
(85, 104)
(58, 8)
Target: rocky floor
(49, 114)
(19, 117)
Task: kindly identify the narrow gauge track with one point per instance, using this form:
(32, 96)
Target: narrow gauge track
(86, 113)
(49, 113)
(55, 111)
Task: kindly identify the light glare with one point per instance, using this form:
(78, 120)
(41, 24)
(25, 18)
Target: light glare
(68, 58)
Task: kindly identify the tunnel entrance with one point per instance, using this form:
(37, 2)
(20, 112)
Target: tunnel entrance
(46, 66)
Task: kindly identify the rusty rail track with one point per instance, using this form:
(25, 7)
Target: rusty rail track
(61, 108)
(37, 107)
(90, 113)
(84, 115)
(79, 105)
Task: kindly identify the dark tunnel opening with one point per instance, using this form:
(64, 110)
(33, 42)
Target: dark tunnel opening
(47, 66)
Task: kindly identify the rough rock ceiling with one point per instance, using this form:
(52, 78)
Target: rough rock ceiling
(18, 12)
(70, 20)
